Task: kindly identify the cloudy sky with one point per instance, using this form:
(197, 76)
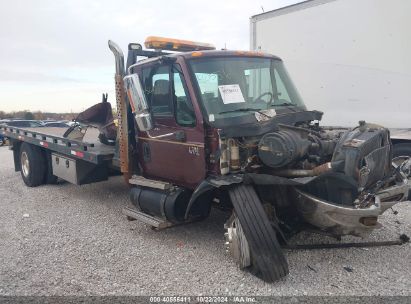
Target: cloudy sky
(54, 54)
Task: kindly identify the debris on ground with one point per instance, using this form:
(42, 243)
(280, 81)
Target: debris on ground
(311, 268)
(348, 269)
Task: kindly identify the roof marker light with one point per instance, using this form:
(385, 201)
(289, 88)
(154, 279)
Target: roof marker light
(197, 54)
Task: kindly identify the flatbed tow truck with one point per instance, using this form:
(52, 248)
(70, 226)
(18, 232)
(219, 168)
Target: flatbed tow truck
(199, 127)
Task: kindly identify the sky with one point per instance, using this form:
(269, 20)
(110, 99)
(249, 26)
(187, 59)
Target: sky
(54, 55)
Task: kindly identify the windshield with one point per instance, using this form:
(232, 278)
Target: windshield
(233, 86)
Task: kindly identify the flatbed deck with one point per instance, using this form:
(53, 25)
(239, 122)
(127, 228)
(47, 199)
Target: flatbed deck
(89, 149)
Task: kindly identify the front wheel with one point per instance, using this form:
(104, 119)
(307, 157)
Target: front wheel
(250, 238)
(32, 165)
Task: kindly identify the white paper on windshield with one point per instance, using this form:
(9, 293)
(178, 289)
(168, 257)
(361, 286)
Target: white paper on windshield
(231, 93)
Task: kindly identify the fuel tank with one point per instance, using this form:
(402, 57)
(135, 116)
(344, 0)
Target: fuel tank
(169, 205)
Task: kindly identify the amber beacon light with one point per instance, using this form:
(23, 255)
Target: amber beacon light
(170, 44)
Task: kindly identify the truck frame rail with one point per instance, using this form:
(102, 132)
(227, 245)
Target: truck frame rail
(51, 139)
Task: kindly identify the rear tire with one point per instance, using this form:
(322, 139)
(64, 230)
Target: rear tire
(33, 165)
(402, 149)
(267, 259)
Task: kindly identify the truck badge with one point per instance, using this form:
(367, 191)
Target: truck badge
(193, 150)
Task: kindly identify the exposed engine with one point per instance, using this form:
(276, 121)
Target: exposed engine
(362, 153)
(331, 168)
(351, 160)
(291, 145)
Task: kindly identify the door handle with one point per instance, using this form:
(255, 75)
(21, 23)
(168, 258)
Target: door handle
(179, 135)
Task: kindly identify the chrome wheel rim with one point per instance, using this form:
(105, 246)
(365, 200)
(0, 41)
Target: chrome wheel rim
(236, 242)
(25, 165)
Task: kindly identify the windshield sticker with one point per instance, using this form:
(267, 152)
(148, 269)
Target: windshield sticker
(211, 117)
(231, 93)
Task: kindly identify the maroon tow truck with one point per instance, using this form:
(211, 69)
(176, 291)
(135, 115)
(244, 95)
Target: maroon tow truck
(199, 127)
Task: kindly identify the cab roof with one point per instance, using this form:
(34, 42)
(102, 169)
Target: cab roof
(223, 53)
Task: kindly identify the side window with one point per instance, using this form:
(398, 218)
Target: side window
(158, 90)
(185, 115)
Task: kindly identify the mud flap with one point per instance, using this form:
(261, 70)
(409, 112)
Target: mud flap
(268, 260)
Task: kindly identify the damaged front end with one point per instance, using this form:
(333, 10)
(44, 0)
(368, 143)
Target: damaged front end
(364, 181)
(338, 180)
(359, 219)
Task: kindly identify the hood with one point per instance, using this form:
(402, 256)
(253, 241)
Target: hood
(248, 125)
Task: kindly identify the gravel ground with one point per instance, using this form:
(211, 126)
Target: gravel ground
(71, 240)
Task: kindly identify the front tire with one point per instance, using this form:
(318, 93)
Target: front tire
(32, 165)
(266, 259)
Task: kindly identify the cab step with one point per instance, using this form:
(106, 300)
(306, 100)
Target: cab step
(150, 183)
(152, 221)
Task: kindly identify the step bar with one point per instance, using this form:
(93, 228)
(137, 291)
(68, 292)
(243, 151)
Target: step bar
(155, 222)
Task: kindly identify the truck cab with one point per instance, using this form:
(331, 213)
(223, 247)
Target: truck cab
(230, 127)
(193, 95)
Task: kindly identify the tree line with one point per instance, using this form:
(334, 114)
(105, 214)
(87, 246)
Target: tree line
(37, 115)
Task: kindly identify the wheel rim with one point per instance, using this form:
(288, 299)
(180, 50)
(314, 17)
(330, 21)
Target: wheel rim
(236, 242)
(25, 165)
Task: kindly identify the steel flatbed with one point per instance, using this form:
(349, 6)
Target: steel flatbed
(89, 149)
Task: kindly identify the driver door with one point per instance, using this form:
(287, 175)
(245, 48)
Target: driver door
(174, 149)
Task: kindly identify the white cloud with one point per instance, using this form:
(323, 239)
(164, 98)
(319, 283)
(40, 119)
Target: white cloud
(61, 46)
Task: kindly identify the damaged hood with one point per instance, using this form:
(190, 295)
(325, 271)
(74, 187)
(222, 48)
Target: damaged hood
(249, 125)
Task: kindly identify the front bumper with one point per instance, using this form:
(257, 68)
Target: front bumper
(342, 220)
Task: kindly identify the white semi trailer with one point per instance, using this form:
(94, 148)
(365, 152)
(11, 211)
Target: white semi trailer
(349, 58)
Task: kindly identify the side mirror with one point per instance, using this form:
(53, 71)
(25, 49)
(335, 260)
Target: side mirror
(138, 102)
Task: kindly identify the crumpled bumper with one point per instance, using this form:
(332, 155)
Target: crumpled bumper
(343, 220)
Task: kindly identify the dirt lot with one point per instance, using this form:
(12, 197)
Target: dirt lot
(65, 239)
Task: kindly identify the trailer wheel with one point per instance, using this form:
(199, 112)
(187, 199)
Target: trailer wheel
(33, 165)
(255, 234)
(403, 149)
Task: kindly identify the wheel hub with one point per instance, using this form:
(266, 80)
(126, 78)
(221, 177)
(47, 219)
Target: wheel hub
(236, 242)
(25, 165)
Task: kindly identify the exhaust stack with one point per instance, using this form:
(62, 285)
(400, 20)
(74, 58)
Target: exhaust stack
(122, 130)
(119, 57)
